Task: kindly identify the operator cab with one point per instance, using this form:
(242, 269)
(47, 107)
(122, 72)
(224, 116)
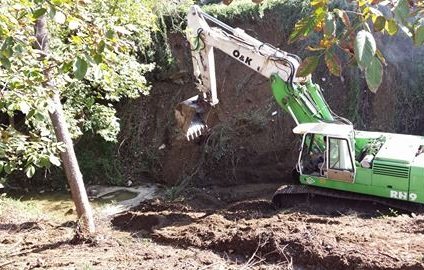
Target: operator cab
(327, 151)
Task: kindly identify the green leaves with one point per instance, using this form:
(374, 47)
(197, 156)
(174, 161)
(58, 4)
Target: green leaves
(379, 23)
(80, 68)
(30, 171)
(19, 152)
(92, 60)
(333, 63)
(101, 46)
(350, 31)
(391, 27)
(365, 53)
(54, 160)
(5, 63)
(319, 3)
(302, 28)
(419, 35)
(308, 66)
(330, 25)
(374, 74)
(344, 17)
(365, 48)
(401, 10)
(6, 51)
(8, 168)
(39, 12)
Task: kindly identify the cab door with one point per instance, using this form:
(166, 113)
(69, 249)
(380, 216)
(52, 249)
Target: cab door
(339, 159)
(312, 155)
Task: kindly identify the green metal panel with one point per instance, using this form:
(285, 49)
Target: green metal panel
(352, 187)
(286, 98)
(416, 184)
(390, 175)
(387, 191)
(363, 176)
(315, 91)
(390, 182)
(291, 99)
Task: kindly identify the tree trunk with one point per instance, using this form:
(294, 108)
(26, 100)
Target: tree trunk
(70, 163)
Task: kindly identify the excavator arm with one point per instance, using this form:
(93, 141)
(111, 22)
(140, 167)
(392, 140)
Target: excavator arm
(296, 95)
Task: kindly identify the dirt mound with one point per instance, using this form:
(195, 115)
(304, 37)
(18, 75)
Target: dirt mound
(416, 226)
(158, 205)
(25, 226)
(50, 245)
(249, 210)
(253, 232)
(148, 222)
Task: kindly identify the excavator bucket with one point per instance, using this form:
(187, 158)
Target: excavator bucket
(191, 116)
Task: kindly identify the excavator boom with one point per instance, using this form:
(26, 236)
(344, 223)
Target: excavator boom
(263, 58)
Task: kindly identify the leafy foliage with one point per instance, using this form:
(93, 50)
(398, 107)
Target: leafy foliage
(348, 26)
(93, 62)
(350, 30)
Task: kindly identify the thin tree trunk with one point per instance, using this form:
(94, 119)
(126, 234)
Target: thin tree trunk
(70, 163)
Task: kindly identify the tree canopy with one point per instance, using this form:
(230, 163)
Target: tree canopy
(93, 61)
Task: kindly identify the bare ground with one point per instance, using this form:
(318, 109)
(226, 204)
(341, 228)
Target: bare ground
(223, 228)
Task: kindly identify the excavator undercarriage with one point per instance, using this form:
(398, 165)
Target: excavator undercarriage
(288, 196)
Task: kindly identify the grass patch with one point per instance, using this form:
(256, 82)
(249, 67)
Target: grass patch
(14, 210)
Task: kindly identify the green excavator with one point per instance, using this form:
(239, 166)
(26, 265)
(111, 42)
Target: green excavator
(335, 159)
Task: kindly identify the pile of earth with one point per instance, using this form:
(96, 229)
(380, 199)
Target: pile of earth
(312, 235)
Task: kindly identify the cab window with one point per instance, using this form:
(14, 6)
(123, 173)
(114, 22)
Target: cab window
(313, 153)
(339, 155)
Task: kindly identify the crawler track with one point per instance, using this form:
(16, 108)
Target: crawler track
(291, 195)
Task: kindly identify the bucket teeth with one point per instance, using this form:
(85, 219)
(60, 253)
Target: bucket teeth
(191, 116)
(196, 130)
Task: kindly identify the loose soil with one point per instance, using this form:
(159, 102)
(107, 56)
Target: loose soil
(316, 235)
(223, 228)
